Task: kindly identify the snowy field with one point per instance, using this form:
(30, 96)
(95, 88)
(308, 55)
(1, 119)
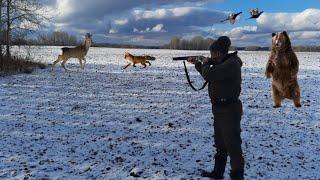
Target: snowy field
(107, 123)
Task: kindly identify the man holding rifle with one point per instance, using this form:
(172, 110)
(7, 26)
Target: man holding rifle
(223, 72)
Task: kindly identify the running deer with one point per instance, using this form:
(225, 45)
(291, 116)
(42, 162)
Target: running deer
(78, 52)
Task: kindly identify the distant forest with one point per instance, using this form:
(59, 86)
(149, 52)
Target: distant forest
(200, 43)
(60, 38)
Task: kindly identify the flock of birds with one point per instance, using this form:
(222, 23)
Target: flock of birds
(255, 13)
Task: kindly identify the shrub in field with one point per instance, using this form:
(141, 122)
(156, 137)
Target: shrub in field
(15, 64)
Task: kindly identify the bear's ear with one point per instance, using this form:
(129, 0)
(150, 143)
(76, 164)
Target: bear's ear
(285, 33)
(273, 34)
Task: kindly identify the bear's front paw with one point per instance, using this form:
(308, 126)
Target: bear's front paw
(268, 75)
(293, 76)
(298, 105)
(270, 68)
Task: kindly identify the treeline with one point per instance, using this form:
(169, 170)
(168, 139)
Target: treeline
(127, 46)
(196, 43)
(252, 48)
(295, 48)
(201, 43)
(307, 48)
(56, 38)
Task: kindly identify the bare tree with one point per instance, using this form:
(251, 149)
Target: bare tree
(22, 16)
(8, 30)
(58, 38)
(196, 43)
(175, 42)
(1, 32)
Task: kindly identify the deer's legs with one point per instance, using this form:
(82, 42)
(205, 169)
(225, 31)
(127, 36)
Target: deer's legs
(84, 62)
(80, 61)
(148, 62)
(63, 65)
(56, 61)
(144, 65)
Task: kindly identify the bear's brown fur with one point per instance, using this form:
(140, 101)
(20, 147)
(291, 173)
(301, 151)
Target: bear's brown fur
(283, 67)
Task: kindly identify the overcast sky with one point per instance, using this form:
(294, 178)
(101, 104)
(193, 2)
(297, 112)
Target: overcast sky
(149, 22)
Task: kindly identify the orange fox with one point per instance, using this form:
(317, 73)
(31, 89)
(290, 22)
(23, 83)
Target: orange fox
(133, 60)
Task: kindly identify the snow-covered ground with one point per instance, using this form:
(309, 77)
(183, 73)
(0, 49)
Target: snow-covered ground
(107, 123)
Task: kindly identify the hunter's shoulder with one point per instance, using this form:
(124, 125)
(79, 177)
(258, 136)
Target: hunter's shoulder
(233, 58)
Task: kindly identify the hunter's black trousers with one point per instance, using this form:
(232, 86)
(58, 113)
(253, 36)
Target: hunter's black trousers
(227, 138)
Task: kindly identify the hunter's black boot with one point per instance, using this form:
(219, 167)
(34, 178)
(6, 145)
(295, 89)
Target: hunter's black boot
(212, 175)
(237, 175)
(218, 171)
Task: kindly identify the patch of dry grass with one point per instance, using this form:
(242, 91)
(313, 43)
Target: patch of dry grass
(15, 65)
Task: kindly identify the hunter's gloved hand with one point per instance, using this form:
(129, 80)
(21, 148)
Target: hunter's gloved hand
(206, 60)
(192, 60)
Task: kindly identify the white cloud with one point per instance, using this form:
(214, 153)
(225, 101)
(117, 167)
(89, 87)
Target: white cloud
(307, 20)
(182, 11)
(303, 28)
(239, 31)
(243, 36)
(64, 7)
(157, 14)
(158, 28)
(164, 13)
(306, 35)
(155, 29)
(121, 22)
(126, 19)
(113, 31)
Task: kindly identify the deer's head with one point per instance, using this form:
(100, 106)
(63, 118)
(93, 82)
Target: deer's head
(88, 40)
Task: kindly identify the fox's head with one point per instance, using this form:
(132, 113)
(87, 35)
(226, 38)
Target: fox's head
(280, 40)
(126, 54)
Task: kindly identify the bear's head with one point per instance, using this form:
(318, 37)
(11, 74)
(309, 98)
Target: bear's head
(281, 41)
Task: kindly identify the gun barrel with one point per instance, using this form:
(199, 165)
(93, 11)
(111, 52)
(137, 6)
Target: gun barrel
(184, 58)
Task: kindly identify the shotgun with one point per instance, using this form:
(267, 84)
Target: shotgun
(184, 58)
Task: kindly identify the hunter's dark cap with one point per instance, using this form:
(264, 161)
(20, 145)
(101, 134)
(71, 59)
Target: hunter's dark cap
(222, 44)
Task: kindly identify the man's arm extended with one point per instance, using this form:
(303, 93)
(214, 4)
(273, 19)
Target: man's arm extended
(218, 72)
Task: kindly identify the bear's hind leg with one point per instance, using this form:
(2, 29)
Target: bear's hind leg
(296, 102)
(277, 97)
(296, 97)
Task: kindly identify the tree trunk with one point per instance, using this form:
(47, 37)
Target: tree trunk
(8, 39)
(1, 35)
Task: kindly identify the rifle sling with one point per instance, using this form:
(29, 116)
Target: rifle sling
(205, 84)
(189, 81)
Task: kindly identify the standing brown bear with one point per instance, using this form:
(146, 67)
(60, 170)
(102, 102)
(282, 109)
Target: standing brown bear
(283, 67)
